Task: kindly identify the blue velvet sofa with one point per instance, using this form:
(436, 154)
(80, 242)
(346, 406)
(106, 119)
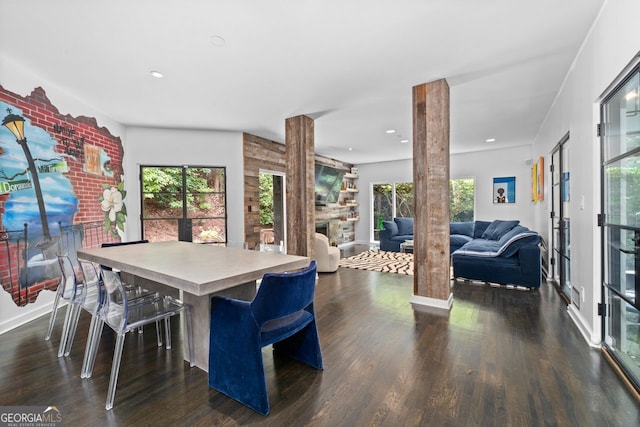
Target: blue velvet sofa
(506, 253)
(400, 229)
(503, 252)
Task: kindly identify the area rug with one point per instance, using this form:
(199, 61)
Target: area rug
(387, 262)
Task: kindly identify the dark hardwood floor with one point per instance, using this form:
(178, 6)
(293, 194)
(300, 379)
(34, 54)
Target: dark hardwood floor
(500, 357)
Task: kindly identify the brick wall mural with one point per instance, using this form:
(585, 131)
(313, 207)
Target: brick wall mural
(60, 188)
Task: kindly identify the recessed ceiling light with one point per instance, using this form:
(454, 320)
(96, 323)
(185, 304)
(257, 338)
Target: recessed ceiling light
(350, 149)
(157, 74)
(490, 140)
(404, 141)
(391, 131)
(218, 41)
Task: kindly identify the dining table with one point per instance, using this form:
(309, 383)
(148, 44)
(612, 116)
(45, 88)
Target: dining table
(196, 272)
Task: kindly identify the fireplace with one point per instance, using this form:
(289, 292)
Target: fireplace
(322, 228)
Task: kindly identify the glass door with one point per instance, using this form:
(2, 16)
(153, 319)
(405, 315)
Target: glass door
(561, 235)
(620, 220)
(273, 222)
(186, 203)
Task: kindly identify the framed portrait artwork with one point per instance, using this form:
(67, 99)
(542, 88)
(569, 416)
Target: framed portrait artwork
(504, 189)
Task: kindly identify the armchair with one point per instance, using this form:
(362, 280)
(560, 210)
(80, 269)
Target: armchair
(280, 314)
(327, 256)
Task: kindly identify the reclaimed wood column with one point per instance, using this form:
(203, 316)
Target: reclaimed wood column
(299, 147)
(431, 280)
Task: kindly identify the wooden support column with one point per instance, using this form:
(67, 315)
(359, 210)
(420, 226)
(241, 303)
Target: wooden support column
(300, 157)
(432, 279)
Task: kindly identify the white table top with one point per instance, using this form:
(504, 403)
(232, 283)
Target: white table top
(194, 268)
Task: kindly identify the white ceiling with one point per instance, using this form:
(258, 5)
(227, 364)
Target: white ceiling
(350, 65)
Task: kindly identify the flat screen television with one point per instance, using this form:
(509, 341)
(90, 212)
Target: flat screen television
(328, 184)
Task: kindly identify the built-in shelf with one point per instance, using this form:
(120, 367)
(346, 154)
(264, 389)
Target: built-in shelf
(350, 188)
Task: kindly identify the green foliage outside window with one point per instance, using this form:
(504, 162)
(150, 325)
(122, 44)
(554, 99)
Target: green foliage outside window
(461, 200)
(164, 186)
(266, 198)
(405, 200)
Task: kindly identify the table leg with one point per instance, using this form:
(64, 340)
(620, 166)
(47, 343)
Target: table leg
(200, 313)
(201, 316)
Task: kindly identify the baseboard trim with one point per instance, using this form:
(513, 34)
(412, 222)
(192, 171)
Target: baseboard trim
(419, 302)
(583, 328)
(27, 317)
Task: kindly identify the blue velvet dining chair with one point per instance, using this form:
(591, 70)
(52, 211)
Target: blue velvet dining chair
(281, 314)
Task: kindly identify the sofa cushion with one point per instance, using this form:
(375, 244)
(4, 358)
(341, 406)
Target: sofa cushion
(479, 227)
(401, 237)
(405, 225)
(498, 228)
(511, 233)
(520, 236)
(391, 226)
(463, 228)
(458, 240)
(480, 248)
(522, 240)
(506, 247)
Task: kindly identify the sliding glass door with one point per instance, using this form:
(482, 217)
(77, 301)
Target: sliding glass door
(396, 199)
(186, 203)
(620, 173)
(391, 200)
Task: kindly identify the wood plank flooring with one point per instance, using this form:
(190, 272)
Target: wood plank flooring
(501, 357)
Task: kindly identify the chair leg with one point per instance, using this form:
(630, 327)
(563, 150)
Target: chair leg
(303, 347)
(65, 328)
(115, 369)
(159, 332)
(72, 329)
(52, 319)
(167, 331)
(93, 349)
(159, 329)
(242, 380)
(87, 349)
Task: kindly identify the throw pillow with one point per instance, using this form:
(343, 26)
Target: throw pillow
(479, 228)
(518, 229)
(405, 226)
(391, 226)
(498, 228)
(463, 228)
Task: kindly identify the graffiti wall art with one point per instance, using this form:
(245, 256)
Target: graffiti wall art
(55, 171)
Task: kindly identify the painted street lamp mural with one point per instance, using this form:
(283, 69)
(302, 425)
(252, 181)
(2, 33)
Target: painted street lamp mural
(56, 178)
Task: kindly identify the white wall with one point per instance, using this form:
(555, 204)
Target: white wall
(178, 147)
(483, 166)
(17, 79)
(611, 45)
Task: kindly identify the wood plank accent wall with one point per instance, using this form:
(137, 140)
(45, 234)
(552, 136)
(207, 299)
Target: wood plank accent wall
(300, 149)
(431, 181)
(259, 153)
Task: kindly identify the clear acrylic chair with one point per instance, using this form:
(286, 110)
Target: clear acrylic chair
(86, 295)
(123, 316)
(69, 241)
(93, 283)
(69, 289)
(264, 247)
